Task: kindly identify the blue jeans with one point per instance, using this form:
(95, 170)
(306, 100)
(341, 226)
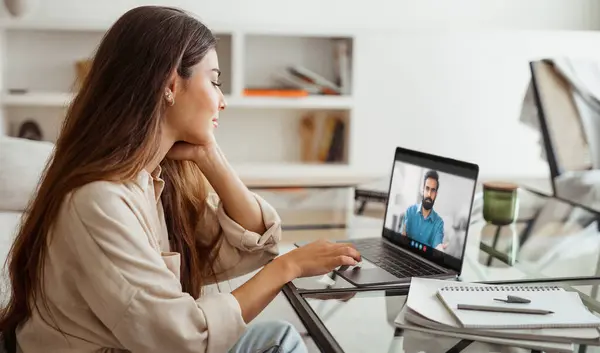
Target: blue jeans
(270, 337)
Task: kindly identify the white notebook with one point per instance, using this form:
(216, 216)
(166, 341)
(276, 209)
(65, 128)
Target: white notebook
(424, 302)
(568, 310)
(403, 322)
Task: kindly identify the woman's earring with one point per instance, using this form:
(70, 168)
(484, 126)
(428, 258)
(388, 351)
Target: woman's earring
(169, 97)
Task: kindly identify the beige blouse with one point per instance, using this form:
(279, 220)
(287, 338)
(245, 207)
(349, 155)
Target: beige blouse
(113, 285)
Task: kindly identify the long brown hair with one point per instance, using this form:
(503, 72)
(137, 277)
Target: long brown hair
(111, 131)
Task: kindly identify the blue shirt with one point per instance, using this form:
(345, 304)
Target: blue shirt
(429, 231)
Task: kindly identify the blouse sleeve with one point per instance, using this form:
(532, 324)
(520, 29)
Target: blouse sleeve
(127, 285)
(242, 251)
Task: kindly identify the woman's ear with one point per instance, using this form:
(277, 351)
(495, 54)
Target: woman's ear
(174, 83)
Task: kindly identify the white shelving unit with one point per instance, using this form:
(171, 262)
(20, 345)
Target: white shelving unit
(260, 135)
(62, 99)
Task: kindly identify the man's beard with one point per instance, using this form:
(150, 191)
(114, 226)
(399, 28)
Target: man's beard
(427, 203)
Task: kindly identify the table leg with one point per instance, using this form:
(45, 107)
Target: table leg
(460, 346)
(597, 273)
(315, 327)
(494, 243)
(361, 208)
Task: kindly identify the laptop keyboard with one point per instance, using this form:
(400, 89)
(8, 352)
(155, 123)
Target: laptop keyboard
(386, 257)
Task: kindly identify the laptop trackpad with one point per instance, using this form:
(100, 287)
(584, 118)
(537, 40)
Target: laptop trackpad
(362, 277)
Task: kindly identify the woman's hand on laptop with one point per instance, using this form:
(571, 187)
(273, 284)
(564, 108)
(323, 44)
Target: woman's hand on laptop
(318, 258)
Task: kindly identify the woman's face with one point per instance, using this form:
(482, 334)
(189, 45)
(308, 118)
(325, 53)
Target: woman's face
(197, 101)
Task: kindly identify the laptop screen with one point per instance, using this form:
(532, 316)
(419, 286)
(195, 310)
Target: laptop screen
(429, 206)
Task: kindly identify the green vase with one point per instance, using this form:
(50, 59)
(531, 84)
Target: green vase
(499, 203)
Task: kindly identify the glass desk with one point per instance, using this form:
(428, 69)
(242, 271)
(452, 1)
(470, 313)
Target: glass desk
(551, 241)
(364, 322)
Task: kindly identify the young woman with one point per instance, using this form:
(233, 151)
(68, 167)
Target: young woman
(122, 235)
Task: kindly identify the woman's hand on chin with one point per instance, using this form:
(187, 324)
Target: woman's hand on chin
(239, 203)
(190, 152)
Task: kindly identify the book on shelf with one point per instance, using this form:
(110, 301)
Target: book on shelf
(275, 92)
(296, 78)
(341, 64)
(287, 81)
(315, 80)
(322, 137)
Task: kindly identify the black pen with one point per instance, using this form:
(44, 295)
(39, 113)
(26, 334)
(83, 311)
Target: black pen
(504, 310)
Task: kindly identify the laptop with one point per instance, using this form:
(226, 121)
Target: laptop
(427, 216)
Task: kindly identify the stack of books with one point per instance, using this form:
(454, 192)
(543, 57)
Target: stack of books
(299, 81)
(543, 318)
(322, 137)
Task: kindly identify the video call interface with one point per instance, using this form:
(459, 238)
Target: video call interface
(428, 209)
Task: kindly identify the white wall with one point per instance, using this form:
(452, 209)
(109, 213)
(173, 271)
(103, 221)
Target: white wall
(399, 14)
(441, 76)
(456, 93)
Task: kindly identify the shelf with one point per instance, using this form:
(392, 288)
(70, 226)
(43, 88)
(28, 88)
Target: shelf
(53, 25)
(314, 102)
(257, 175)
(37, 99)
(58, 99)
(250, 56)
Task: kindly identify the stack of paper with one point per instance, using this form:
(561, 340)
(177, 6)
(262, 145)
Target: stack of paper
(432, 307)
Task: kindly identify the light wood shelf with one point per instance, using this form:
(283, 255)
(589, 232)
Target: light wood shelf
(62, 99)
(39, 56)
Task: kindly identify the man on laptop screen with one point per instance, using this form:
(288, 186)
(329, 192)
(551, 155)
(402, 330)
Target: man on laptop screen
(432, 216)
(421, 221)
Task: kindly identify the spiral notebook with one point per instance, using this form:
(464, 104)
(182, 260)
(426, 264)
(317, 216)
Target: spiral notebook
(568, 310)
(425, 309)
